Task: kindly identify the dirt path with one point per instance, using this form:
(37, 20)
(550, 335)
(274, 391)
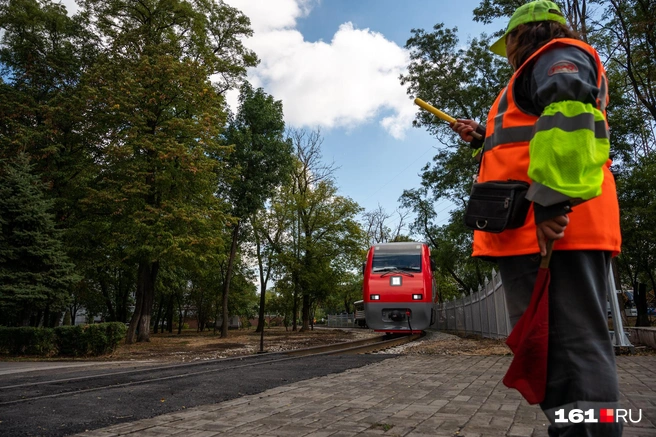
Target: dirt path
(191, 345)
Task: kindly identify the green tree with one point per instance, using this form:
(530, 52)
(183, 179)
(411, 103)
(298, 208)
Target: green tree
(35, 274)
(262, 160)
(375, 224)
(43, 54)
(269, 227)
(328, 240)
(347, 291)
(630, 27)
(638, 223)
(280, 301)
(155, 118)
(627, 43)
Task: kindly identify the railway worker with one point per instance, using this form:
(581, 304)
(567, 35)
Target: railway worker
(548, 127)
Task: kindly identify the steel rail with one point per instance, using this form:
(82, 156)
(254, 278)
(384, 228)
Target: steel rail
(364, 346)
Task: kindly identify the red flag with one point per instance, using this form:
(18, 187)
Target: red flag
(529, 341)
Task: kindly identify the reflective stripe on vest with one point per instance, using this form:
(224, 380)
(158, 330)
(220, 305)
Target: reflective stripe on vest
(571, 124)
(594, 225)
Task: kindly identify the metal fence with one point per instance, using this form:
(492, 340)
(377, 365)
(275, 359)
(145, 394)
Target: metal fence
(483, 312)
(340, 320)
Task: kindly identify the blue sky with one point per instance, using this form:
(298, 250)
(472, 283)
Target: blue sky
(335, 66)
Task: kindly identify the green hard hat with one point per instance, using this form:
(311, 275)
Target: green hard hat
(540, 10)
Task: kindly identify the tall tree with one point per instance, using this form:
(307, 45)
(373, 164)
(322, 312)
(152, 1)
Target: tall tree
(261, 158)
(156, 118)
(627, 42)
(329, 241)
(43, 54)
(269, 227)
(377, 227)
(638, 222)
(631, 26)
(35, 275)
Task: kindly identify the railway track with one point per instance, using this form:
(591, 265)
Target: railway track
(33, 389)
(368, 345)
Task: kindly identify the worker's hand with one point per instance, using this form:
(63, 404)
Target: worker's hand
(464, 128)
(552, 229)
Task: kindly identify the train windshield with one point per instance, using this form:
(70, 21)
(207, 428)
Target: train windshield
(406, 257)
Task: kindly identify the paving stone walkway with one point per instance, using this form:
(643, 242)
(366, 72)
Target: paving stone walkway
(408, 396)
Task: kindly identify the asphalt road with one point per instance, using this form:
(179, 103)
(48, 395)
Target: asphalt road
(76, 412)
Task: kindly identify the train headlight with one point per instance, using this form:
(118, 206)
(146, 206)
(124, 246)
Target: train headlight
(417, 297)
(374, 296)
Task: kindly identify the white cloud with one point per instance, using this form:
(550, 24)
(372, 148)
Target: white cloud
(351, 80)
(267, 15)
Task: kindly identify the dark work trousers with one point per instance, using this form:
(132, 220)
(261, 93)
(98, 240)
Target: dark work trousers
(581, 371)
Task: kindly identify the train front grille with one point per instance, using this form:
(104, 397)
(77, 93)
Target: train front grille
(395, 315)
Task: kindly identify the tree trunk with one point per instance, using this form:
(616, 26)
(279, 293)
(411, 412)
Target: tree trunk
(260, 320)
(104, 289)
(73, 310)
(149, 276)
(122, 300)
(199, 314)
(295, 299)
(131, 335)
(216, 313)
(312, 312)
(169, 315)
(306, 313)
(640, 299)
(263, 285)
(140, 322)
(226, 285)
(159, 315)
(180, 316)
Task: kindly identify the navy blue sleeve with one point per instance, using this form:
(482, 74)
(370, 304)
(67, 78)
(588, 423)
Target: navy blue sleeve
(564, 73)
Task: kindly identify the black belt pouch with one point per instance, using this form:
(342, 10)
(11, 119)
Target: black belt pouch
(495, 206)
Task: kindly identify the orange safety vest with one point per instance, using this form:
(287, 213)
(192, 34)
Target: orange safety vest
(594, 225)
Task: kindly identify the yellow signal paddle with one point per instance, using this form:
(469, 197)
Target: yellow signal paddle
(443, 116)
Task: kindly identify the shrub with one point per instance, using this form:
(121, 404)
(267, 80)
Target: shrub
(115, 334)
(75, 341)
(27, 341)
(71, 340)
(96, 336)
(104, 337)
(97, 339)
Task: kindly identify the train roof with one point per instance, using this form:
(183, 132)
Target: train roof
(401, 245)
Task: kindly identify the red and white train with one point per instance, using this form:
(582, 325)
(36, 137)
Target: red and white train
(399, 288)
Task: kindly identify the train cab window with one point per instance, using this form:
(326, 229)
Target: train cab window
(406, 257)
